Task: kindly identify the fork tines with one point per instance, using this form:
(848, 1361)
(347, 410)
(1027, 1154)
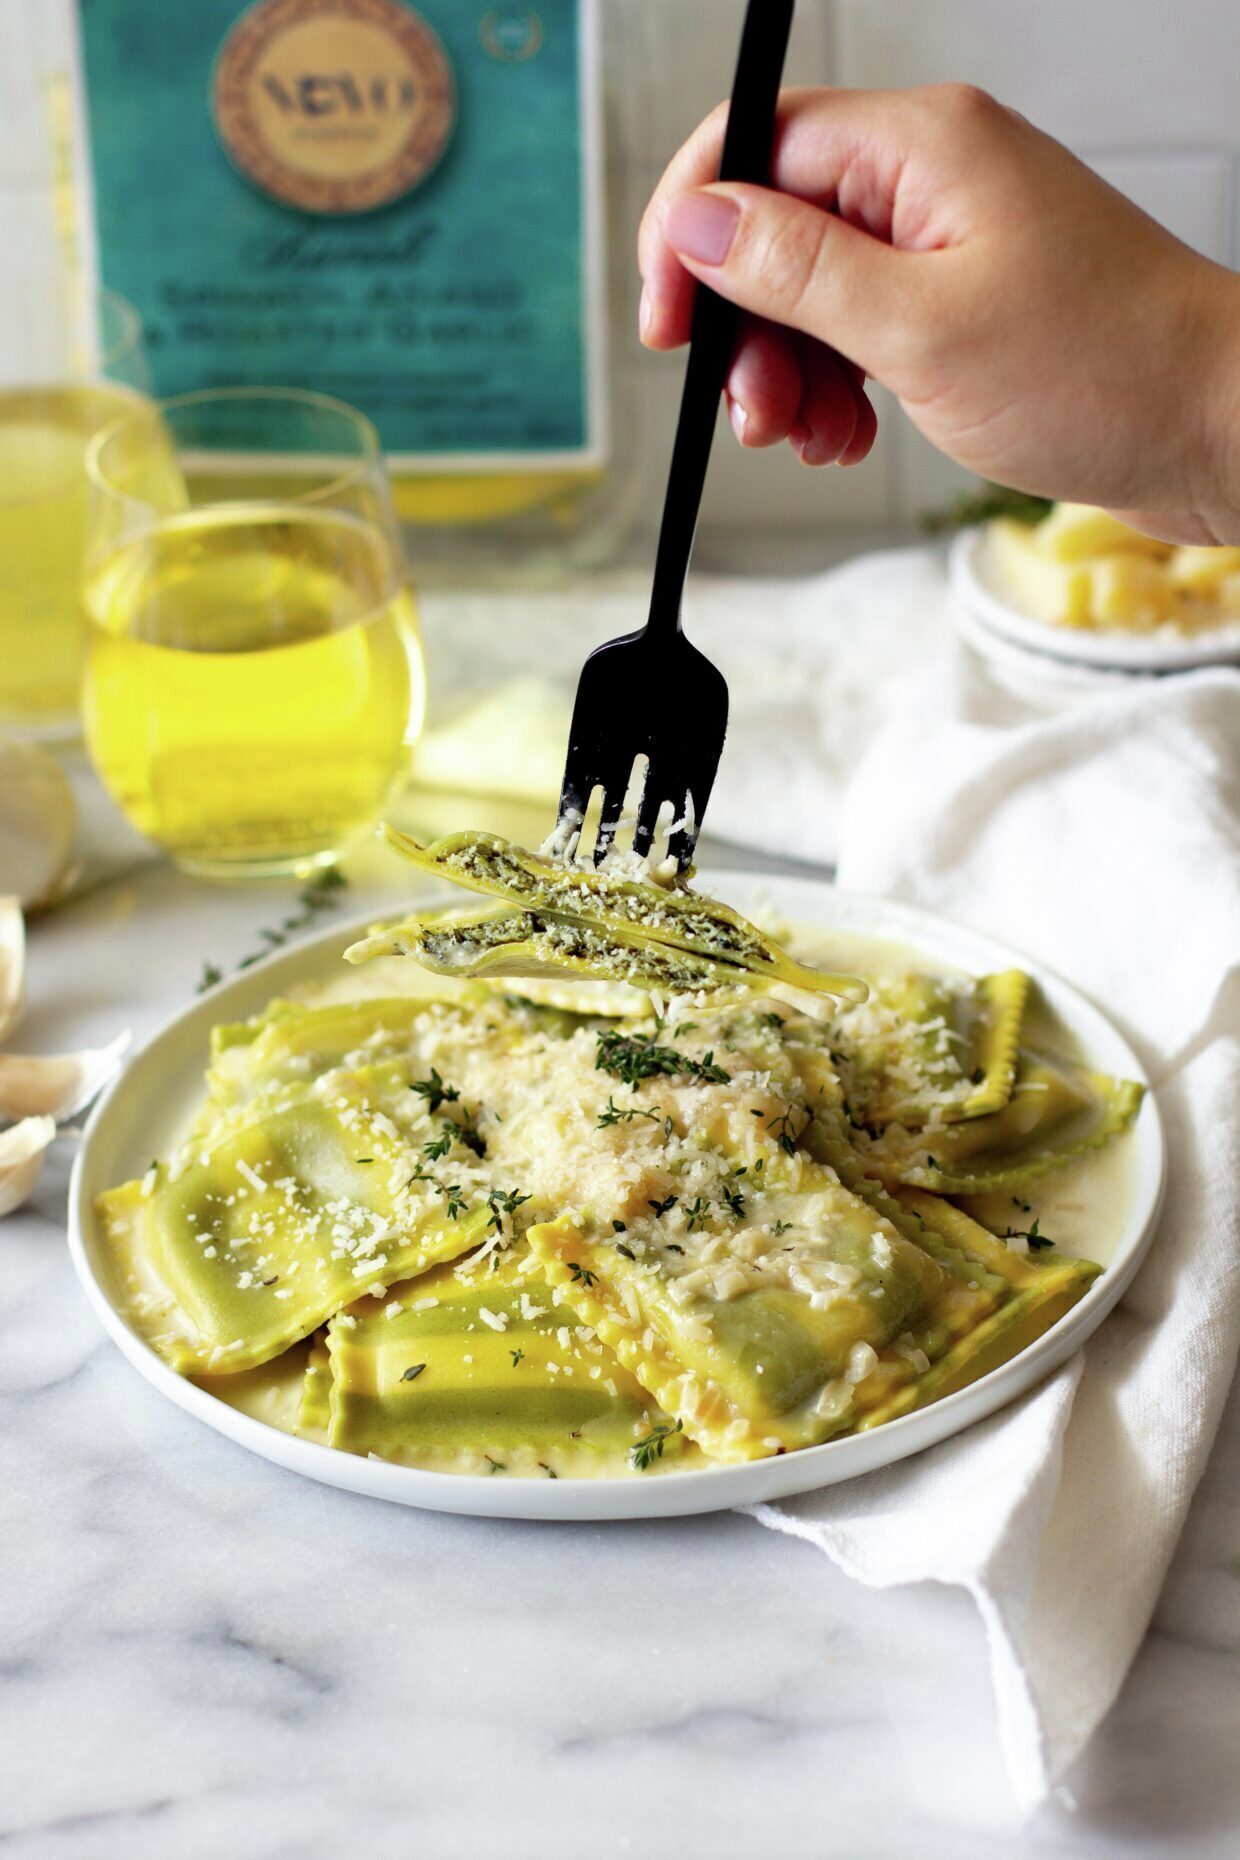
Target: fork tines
(650, 698)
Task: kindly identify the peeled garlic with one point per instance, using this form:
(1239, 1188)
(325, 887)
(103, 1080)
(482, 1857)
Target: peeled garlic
(37, 822)
(22, 1149)
(12, 963)
(58, 1086)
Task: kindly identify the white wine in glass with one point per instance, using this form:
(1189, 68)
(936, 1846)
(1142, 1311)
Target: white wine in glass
(254, 670)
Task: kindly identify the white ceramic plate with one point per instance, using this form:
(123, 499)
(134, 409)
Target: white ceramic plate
(144, 1111)
(977, 594)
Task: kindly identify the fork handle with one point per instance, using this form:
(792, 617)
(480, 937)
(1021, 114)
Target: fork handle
(746, 156)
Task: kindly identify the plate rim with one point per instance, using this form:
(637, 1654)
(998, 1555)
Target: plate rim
(1099, 651)
(669, 1493)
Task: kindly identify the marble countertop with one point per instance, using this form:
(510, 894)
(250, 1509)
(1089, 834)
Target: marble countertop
(202, 1654)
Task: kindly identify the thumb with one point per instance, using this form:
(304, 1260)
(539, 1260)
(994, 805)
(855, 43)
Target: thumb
(788, 261)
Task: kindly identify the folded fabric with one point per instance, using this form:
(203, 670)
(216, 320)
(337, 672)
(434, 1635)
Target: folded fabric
(1107, 844)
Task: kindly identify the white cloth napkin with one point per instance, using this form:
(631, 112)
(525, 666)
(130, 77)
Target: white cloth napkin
(1107, 843)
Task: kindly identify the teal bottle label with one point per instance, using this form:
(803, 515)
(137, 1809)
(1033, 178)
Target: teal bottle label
(397, 205)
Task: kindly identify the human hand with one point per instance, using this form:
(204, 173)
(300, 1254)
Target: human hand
(1034, 324)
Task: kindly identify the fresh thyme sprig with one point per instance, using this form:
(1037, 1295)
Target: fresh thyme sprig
(781, 1128)
(622, 1114)
(733, 1201)
(317, 896)
(1031, 1236)
(632, 1057)
(503, 1201)
(435, 1091)
(650, 1447)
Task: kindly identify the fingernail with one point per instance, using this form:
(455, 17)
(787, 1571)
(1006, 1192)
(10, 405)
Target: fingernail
(740, 420)
(813, 452)
(701, 226)
(645, 312)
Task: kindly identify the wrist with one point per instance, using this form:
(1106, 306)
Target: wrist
(1212, 365)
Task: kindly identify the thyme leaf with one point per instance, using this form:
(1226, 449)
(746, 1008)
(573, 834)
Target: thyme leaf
(435, 1091)
(503, 1201)
(1031, 1236)
(622, 1114)
(650, 1447)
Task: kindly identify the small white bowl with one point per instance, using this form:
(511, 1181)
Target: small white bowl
(1038, 680)
(979, 596)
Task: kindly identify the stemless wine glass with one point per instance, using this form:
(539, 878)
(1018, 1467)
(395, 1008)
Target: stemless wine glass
(253, 666)
(70, 361)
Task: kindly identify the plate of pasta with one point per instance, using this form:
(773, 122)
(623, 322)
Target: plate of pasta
(613, 1199)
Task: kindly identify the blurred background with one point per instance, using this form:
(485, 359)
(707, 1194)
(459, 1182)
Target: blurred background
(1149, 95)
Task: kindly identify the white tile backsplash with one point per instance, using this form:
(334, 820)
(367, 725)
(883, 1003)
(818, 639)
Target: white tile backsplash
(1137, 74)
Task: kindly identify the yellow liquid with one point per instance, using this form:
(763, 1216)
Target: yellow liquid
(250, 683)
(43, 435)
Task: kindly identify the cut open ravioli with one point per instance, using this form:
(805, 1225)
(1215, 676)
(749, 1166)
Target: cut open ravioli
(475, 1369)
(610, 901)
(539, 944)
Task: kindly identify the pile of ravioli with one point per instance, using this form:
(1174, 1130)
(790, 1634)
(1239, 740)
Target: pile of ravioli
(479, 1233)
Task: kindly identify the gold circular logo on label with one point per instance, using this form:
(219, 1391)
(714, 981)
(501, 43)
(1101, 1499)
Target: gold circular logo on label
(333, 106)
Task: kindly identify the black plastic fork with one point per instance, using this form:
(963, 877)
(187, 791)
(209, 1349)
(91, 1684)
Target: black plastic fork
(651, 693)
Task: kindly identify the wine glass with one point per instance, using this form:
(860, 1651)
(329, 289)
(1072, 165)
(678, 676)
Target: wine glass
(254, 670)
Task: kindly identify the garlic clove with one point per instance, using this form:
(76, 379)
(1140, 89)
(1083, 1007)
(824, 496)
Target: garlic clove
(37, 822)
(22, 1151)
(12, 964)
(58, 1086)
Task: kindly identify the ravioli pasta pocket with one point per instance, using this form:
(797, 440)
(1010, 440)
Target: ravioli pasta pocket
(474, 1232)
